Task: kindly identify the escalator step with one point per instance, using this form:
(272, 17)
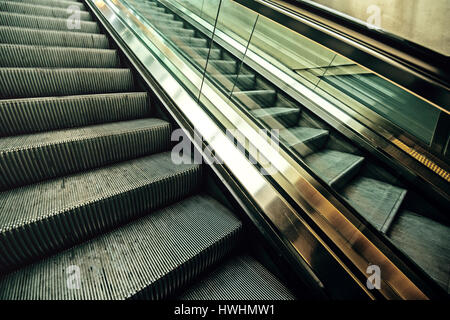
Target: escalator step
(377, 201)
(426, 242)
(219, 66)
(47, 23)
(304, 140)
(203, 52)
(14, 35)
(22, 116)
(40, 10)
(190, 41)
(38, 56)
(244, 81)
(35, 82)
(42, 218)
(334, 167)
(146, 259)
(32, 158)
(158, 21)
(54, 3)
(156, 14)
(256, 99)
(240, 278)
(178, 32)
(278, 118)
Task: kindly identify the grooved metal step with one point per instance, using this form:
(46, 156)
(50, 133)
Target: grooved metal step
(203, 52)
(30, 21)
(334, 167)
(156, 14)
(34, 82)
(163, 21)
(256, 98)
(22, 116)
(240, 278)
(304, 140)
(182, 32)
(244, 81)
(149, 258)
(49, 57)
(43, 218)
(219, 66)
(32, 158)
(41, 10)
(54, 3)
(378, 202)
(190, 41)
(277, 118)
(427, 242)
(14, 35)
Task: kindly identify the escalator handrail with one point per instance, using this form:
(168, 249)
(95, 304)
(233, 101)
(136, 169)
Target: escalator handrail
(414, 67)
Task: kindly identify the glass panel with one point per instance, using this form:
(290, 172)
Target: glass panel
(338, 78)
(224, 68)
(374, 190)
(423, 22)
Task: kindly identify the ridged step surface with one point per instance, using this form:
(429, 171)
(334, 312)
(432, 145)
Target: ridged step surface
(304, 140)
(240, 278)
(14, 35)
(58, 57)
(42, 218)
(148, 258)
(277, 118)
(377, 201)
(54, 3)
(35, 82)
(41, 10)
(334, 167)
(32, 158)
(427, 242)
(256, 99)
(22, 116)
(47, 23)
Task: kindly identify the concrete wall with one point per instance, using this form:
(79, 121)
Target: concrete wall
(425, 22)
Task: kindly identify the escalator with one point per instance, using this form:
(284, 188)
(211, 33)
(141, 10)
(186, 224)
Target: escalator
(411, 222)
(87, 184)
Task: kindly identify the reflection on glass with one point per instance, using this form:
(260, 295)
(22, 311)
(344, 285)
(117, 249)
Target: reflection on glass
(374, 191)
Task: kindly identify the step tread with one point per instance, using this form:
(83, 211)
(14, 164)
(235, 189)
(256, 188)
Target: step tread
(274, 111)
(30, 36)
(89, 132)
(293, 136)
(38, 82)
(47, 23)
(25, 56)
(377, 201)
(334, 167)
(30, 115)
(36, 157)
(43, 218)
(37, 201)
(427, 242)
(54, 3)
(147, 258)
(240, 278)
(40, 10)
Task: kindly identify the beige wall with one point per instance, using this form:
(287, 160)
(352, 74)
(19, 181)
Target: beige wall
(422, 21)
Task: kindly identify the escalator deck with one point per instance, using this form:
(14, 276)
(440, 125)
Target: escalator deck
(91, 205)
